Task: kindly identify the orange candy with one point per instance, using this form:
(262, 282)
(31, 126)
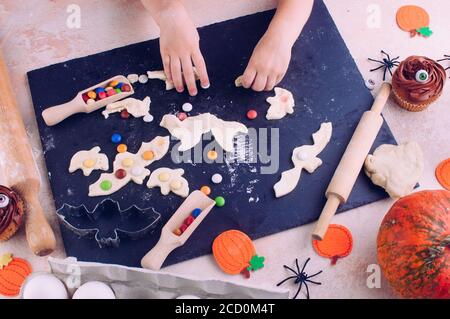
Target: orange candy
(443, 174)
(212, 155)
(205, 190)
(148, 155)
(122, 148)
(337, 243)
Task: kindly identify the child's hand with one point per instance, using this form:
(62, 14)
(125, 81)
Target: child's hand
(268, 64)
(180, 50)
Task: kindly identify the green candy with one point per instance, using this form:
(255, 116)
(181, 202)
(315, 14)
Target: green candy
(106, 185)
(220, 201)
(118, 90)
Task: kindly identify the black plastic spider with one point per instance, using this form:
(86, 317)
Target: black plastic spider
(301, 278)
(387, 63)
(447, 58)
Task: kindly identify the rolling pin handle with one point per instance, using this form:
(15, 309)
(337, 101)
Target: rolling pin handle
(382, 97)
(327, 214)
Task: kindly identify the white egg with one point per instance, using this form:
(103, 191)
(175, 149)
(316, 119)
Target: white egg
(94, 290)
(44, 286)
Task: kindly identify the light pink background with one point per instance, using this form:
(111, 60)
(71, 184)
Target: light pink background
(33, 34)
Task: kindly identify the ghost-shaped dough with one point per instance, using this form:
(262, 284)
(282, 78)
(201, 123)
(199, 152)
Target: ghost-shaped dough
(135, 107)
(396, 168)
(89, 161)
(169, 180)
(280, 105)
(190, 130)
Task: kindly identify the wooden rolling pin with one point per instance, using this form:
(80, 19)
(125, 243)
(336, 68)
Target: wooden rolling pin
(18, 169)
(352, 161)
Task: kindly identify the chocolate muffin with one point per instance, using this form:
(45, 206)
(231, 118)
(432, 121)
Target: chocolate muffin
(11, 213)
(417, 83)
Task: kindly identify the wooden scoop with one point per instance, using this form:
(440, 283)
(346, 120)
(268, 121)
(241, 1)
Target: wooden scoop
(18, 169)
(169, 241)
(56, 114)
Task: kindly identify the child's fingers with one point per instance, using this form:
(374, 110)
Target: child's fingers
(248, 77)
(166, 64)
(189, 76)
(260, 82)
(175, 69)
(200, 66)
(271, 82)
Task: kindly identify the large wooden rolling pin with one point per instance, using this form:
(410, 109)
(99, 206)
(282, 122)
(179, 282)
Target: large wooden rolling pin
(352, 161)
(18, 169)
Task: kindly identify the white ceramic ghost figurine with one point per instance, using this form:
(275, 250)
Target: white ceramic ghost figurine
(280, 105)
(89, 161)
(135, 107)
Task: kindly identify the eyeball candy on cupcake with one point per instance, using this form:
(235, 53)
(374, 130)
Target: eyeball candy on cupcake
(94, 290)
(11, 213)
(417, 83)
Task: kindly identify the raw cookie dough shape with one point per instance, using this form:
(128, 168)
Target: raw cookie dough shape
(395, 168)
(280, 105)
(89, 161)
(304, 157)
(169, 180)
(135, 107)
(133, 165)
(190, 130)
(160, 75)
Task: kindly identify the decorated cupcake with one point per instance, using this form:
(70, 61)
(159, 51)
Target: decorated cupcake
(418, 82)
(11, 213)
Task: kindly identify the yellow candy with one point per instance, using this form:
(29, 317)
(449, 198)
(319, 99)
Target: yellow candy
(113, 83)
(175, 185)
(164, 177)
(148, 155)
(89, 163)
(127, 162)
(122, 148)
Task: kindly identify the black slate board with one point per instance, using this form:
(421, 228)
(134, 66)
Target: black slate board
(323, 78)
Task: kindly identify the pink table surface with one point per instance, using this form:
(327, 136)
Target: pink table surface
(33, 34)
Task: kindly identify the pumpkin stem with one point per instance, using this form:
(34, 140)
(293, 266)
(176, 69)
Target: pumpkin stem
(5, 259)
(246, 273)
(334, 260)
(413, 33)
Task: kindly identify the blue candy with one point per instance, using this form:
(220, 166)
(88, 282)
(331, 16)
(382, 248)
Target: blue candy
(119, 86)
(116, 138)
(196, 212)
(98, 90)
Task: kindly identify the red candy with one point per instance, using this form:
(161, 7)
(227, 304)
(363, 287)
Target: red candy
(124, 114)
(102, 95)
(126, 88)
(183, 228)
(189, 220)
(85, 97)
(252, 114)
(182, 116)
(121, 173)
(111, 92)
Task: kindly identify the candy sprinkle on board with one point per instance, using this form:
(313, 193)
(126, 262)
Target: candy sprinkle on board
(443, 174)
(337, 243)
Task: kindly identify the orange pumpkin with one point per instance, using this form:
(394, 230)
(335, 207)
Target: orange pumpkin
(13, 272)
(414, 19)
(414, 245)
(233, 251)
(337, 243)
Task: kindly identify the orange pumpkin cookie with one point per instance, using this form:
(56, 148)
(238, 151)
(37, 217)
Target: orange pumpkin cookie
(235, 253)
(337, 243)
(443, 174)
(13, 272)
(414, 20)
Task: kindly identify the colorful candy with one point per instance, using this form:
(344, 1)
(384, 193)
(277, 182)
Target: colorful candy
(187, 107)
(212, 155)
(100, 93)
(124, 114)
(220, 201)
(205, 190)
(196, 212)
(217, 178)
(187, 222)
(120, 173)
(116, 138)
(106, 185)
(182, 116)
(122, 148)
(252, 114)
(148, 155)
